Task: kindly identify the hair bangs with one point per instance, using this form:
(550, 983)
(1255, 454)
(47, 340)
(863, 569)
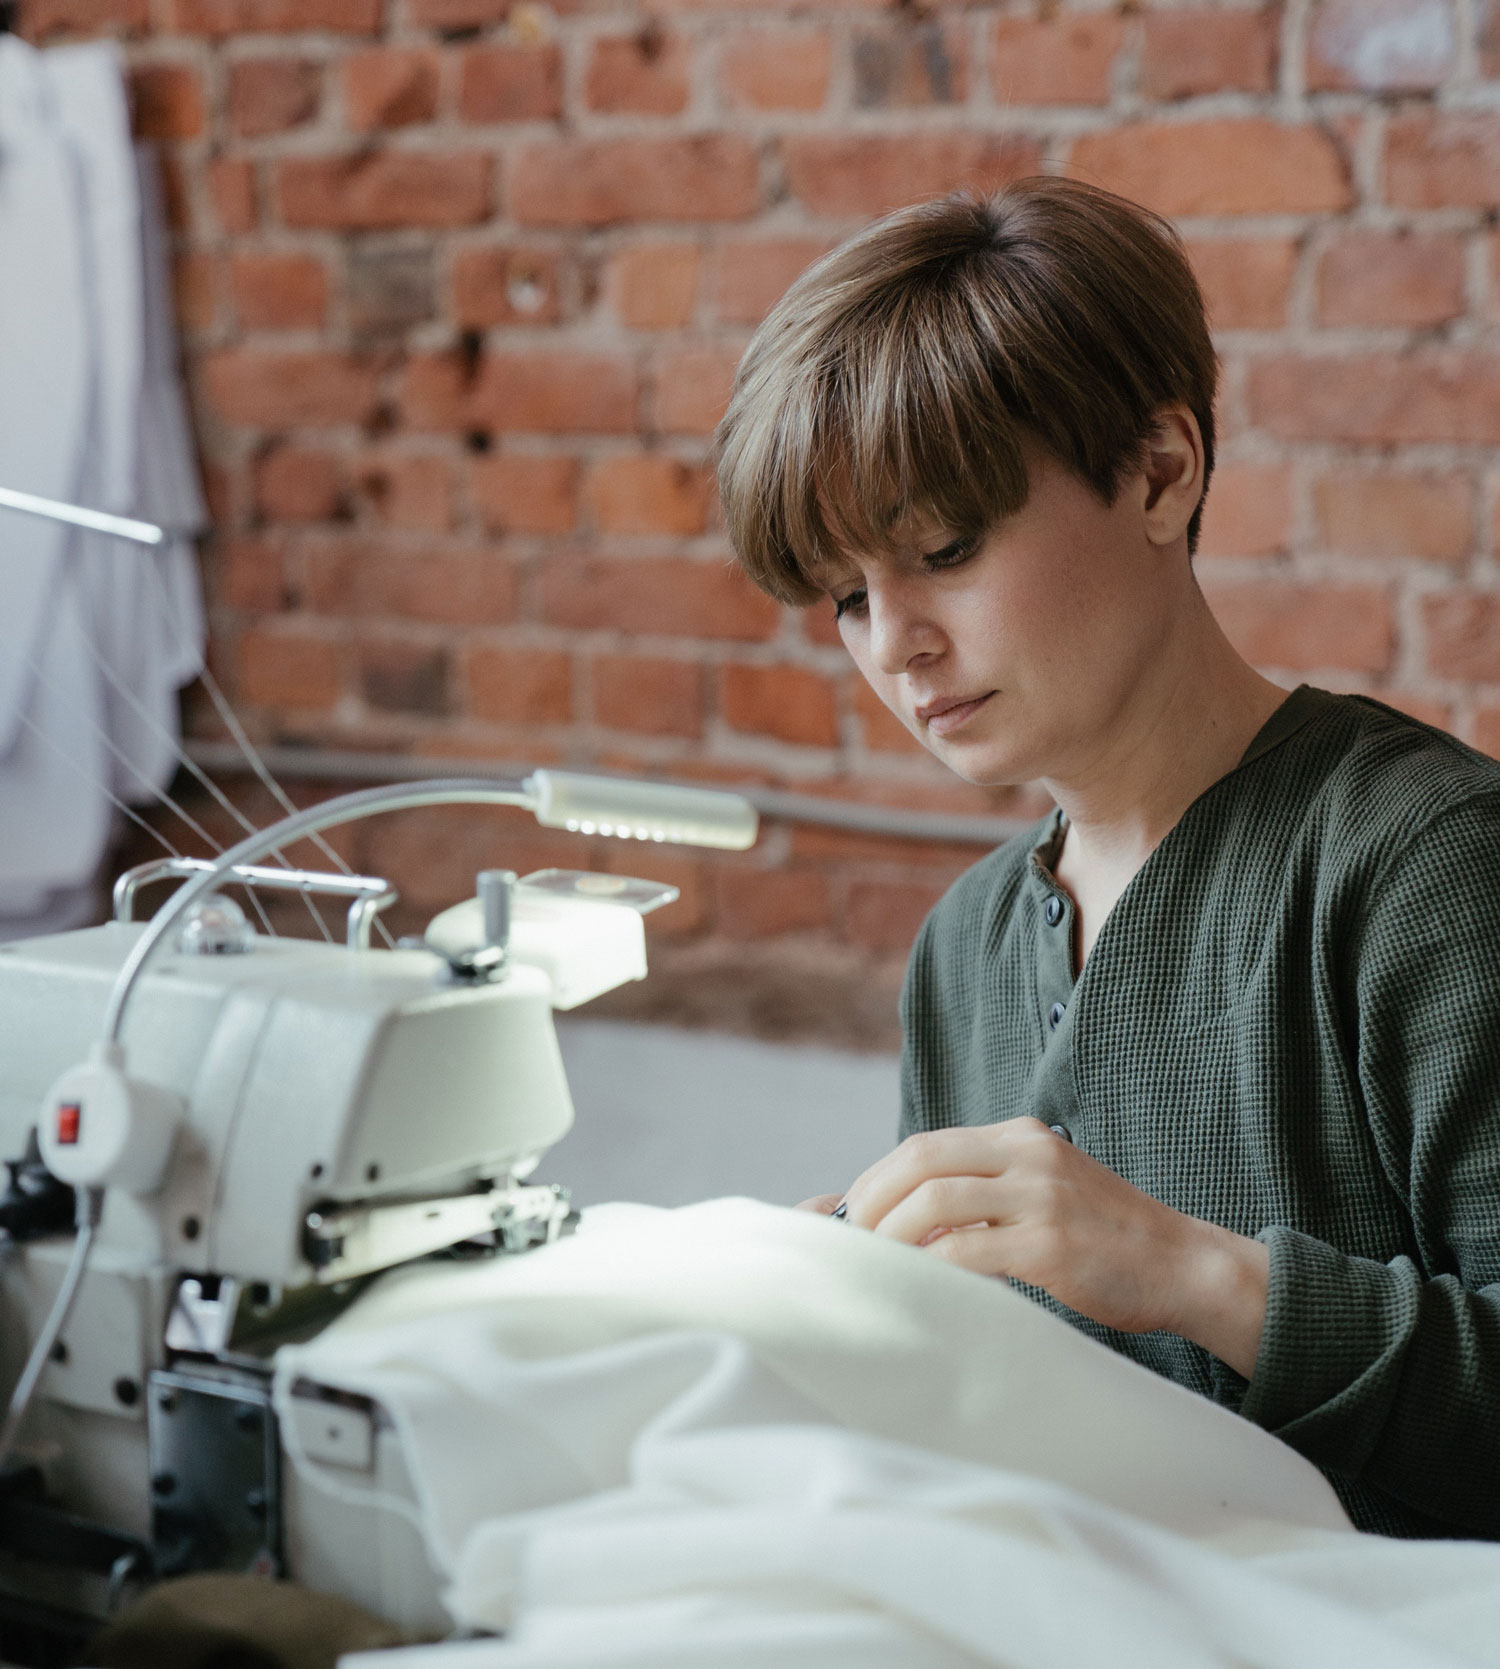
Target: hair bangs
(883, 423)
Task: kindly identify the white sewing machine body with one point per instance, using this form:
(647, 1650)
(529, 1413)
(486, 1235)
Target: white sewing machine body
(343, 1110)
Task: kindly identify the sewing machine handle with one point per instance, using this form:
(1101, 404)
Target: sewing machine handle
(370, 893)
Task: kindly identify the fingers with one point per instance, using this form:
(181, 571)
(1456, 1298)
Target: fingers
(942, 1204)
(984, 1151)
(823, 1204)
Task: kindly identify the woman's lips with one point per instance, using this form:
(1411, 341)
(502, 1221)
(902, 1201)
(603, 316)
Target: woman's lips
(943, 720)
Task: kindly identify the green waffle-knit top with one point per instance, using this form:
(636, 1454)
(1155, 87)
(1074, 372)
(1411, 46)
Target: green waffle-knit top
(1289, 1025)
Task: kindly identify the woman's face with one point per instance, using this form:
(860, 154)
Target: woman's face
(1014, 659)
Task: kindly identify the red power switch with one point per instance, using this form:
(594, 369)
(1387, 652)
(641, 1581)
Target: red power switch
(69, 1117)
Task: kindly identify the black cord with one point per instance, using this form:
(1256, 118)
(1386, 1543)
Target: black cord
(10, 14)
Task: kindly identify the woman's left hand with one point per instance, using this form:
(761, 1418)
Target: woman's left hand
(1014, 1199)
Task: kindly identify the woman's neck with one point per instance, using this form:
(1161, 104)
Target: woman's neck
(1186, 726)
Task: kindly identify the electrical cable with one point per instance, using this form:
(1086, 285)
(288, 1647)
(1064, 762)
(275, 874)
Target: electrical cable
(90, 1207)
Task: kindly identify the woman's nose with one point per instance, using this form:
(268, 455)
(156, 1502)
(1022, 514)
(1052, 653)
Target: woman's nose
(900, 629)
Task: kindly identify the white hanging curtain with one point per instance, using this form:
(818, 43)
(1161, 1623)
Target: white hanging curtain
(96, 635)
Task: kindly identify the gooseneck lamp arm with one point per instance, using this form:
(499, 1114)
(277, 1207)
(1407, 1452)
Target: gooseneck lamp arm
(589, 805)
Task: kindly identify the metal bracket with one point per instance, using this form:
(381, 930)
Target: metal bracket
(215, 1472)
(371, 894)
(344, 1241)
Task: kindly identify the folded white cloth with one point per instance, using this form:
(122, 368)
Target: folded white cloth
(739, 1435)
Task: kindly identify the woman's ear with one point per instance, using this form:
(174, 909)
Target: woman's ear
(1173, 475)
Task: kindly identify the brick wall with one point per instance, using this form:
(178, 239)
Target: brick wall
(463, 284)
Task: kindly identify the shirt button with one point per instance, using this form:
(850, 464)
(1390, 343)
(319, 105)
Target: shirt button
(1061, 1130)
(1054, 1016)
(1053, 910)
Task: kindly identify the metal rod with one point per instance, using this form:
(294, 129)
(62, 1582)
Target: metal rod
(894, 822)
(371, 893)
(99, 521)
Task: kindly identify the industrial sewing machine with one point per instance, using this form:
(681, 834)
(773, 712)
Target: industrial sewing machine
(218, 1138)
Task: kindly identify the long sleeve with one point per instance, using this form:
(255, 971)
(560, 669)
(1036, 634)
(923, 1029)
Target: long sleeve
(1389, 1373)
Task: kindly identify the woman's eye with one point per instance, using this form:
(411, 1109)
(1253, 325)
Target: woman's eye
(850, 604)
(950, 556)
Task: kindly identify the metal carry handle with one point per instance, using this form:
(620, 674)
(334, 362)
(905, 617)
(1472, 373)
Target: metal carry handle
(370, 893)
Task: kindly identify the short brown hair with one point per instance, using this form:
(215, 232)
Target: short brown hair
(901, 374)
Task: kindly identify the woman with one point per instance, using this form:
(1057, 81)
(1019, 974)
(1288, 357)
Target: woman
(1209, 1061)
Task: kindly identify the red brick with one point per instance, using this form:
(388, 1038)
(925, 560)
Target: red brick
(1383, 46)
(370, 190)
(754, 274)
(767, 903)
(555, 392)
(519, 686)
(177, 207)
(1248, 511)
(911, 64)
(879, 727)
(166, 102)
(1198, 50)
(231, 185)
(282, 390)
(1463, 635)
(787, 702)
(389, 87)
(250, 574)
(692, 389)
(646, 493)
(1287, 624)
(1489, 38)
(276, 17)
(271, 95)
(435, 391)
(645, 73)
(287, 669)
(1379, 399)
(1243, 165)
(655, 286)
(656, 696)
(524, 494)
(776, 69)
(1062, 60)
(505, 286)
(410, 492)
(359, 577)
(292, 484)
(585, 182)
(1434, 159)
(662, 596)
(195, 289)
(1379, 278)
(886, 915)
(1428, 516)
(517, 82)
(45, 18)
(279, 292)
(459, 15)
(867, 174)
(406, 678)
(1245, 281)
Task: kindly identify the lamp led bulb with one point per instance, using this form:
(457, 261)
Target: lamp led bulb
(642, 810)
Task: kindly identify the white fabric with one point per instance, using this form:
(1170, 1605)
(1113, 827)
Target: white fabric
(96, 635)
(744, 1436)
